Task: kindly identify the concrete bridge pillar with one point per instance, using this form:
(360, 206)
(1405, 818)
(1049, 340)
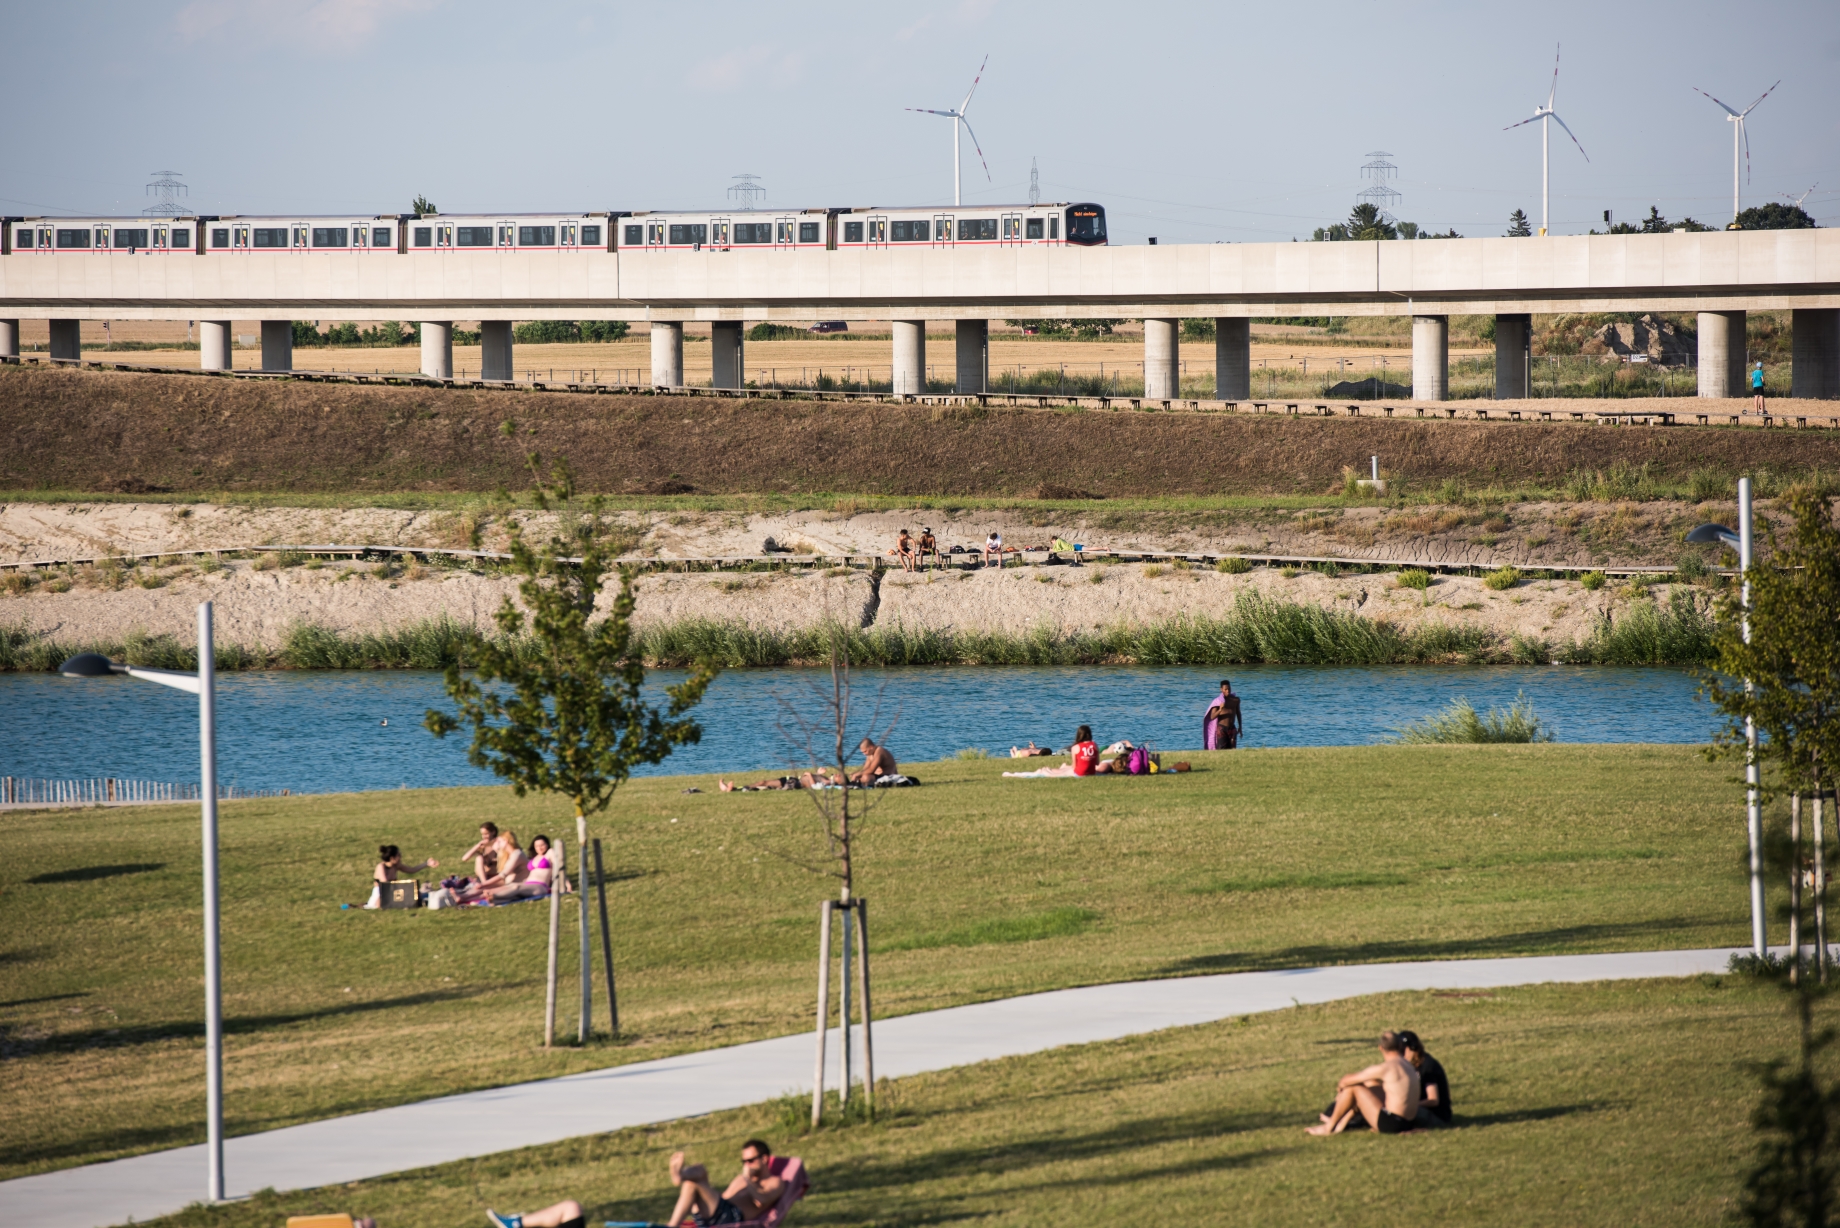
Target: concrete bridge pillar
(1721, 353)
(438, 348)
(1162, 363)
(214, 345)
(67, 339)
(973, 356)
(1513, 357)
(9, 338)
(725, 343)
(1815, 350)
(495, 350)
(1232, 358)
(277, 345)
(910, 358)
(1430, 358)
(667, 354)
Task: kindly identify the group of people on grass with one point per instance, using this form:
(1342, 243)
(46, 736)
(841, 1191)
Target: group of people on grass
(1221, 727)
(504, 872)
(878, 770)
(756, 1189)
(1405, 1090)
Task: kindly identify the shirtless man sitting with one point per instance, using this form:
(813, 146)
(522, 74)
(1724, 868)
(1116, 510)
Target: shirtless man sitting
(929, 546)
(1385, 1095)
(878, 762)
(907, 551)
(753, 1192)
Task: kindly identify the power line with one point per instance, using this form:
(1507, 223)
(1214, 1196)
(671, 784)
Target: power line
(167, 188)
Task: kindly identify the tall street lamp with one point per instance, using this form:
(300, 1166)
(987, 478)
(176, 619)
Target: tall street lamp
(1707, 534)
(203, 684)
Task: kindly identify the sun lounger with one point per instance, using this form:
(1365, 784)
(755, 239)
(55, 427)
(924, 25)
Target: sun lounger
(790, 1169)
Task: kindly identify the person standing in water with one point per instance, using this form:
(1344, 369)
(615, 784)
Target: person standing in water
(1221, 727)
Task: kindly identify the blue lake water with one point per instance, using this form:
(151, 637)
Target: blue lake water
(326, 732)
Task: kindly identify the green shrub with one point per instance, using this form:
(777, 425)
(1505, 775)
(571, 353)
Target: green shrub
(1233, 566)
(1691, 568)
(1502, 578)
(1706, 484)
(972, 752)
(1592, 580)
(1462, 723)
(777, 332)
(1412, 577)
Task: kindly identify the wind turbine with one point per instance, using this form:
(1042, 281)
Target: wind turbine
(1738, 137)
(958, 117)
(1543, 114)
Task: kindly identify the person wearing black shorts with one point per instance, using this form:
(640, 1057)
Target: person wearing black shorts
(1385, 1095)
(753, 1192)
(1434, 1106)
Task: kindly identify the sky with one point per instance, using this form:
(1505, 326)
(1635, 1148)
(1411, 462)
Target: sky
(1195, 123)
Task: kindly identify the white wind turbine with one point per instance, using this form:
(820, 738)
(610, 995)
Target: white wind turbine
(1738, 137)
(958, 117)
(1543, 114)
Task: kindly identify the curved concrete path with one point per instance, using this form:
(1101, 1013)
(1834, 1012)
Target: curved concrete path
(528, 1114)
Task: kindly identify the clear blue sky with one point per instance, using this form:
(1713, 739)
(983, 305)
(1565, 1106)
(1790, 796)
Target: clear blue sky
(1192, 122)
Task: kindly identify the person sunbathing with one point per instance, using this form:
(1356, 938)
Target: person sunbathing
(1385, 1095)
(1030, 751)
(542, 872)
(566, 1214)
(484, 853)
(1083, 758)
(878, 762)
(511, 867)
(392, 865)
(907, 551)
(777, 782)
(753, 1192)
(929, 547)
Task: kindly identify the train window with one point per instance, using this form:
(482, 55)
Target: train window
(908, 232)
(686, 233)
(808, 232)
(852, 232)
(1085, 226)
(220, 236)
(159, 237)
(635, 236)
(22, 238)
(1054, 228)
(536, 236)
(424, 236)
(381, 237)
(590, 236)
(753, 232)
(331, 236)
(73, 238)
(977, 228)
(360, 235)
(300, 236)
(1034, 228)
(785, 232)
(182, 237)
(271, 236)
(472, 236)
(130, 239)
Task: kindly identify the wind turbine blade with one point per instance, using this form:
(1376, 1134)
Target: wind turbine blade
(1728, 110)
(1512, 127)
(976, 146)
(1568, 132)
(974, 85)
(1747, 149)
(930, 111)
(1554, 91)
(1760, 98)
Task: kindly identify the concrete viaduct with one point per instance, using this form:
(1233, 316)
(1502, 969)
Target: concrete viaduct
(1720, 275)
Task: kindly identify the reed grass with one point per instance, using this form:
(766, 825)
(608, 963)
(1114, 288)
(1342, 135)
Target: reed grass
(1462, 723)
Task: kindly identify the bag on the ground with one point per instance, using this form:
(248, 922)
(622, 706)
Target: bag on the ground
(1138, 764)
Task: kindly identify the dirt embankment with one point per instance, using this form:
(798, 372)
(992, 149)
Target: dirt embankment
(104, 431)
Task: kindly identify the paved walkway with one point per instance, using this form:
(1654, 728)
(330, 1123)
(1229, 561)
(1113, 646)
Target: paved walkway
(479, 1123)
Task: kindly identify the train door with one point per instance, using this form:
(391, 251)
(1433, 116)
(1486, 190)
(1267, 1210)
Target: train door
(942, 230)
(718, 233)
(44, 238)
(239, 238)
(878, 231)
(102, 238)
(159, 238)
(567, 236)
(444, 235)
(507, 234)
(300, 238)
(655, 234)
(1011, 230)
(786, 232)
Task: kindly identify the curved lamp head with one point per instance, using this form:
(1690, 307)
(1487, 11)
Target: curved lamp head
(88, 665)
(1708, 534)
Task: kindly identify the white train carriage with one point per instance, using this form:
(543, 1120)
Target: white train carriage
(126, 236)
(1080, 224)
(523, 232)
(234, 235)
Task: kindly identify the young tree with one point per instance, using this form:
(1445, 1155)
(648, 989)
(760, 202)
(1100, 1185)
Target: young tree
(570, 717)
(1366, 222)
(422, 206)
(1518, 227)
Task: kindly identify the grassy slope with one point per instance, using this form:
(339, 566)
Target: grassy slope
(85, 430)
(1622, 1104)
(1264, 859)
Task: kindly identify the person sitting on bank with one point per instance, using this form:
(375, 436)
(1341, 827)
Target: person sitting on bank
(1434, 1106)
(929, 547)
(392, 867)
(484, 853)
(907, 551)
(753, 1192)
(541, 871)
(878, 761)
(1385, 1096)
(993, 548)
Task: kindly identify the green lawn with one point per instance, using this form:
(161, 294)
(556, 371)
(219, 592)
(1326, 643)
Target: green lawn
(1614, 1104)
(981, 888)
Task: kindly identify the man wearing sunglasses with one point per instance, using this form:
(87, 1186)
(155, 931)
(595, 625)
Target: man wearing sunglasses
(749, 1196)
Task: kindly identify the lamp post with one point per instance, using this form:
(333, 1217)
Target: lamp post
(203, 684)
(1753, 810)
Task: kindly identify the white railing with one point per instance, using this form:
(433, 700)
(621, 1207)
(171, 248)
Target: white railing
(103, 790)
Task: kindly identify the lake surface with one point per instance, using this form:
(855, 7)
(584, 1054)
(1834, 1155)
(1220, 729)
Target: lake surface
(327, 732)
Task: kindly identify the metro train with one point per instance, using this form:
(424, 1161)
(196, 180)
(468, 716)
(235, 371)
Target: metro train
(1078, 224)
